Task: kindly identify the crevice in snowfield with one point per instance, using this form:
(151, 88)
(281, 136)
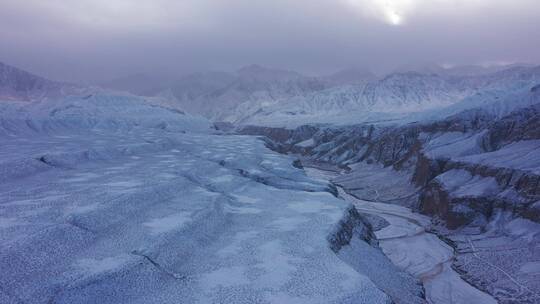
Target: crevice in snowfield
(152, 262)
(73, 222)
(47, 161)
(44, 160)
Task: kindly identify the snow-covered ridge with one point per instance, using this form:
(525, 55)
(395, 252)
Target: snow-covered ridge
(16, 84)
(109, 112)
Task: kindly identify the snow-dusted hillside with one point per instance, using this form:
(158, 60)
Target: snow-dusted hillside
(253, 87)
(16, 84)
(404, 97)
(106, 112)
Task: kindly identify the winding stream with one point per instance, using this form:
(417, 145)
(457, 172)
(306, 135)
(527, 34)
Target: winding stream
(420, 253)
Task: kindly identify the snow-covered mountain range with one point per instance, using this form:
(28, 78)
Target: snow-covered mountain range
(263, 96)
(255, 95)
(397, 95)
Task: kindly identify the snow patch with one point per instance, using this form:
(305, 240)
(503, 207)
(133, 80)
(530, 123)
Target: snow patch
(96, 266)
(246, 199)
(289, 223)
(224, 277)
(168, 223)
(310, 207)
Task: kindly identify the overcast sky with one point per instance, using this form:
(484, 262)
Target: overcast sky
(90, 40)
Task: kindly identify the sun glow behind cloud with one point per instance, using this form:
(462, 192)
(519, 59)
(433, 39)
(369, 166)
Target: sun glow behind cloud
(392, 12)
(88, 38)
(394, 18)
(398, 12)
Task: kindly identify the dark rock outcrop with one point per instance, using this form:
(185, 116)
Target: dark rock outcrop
(351, 225)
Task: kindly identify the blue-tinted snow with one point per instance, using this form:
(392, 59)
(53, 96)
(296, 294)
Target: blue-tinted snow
(522, 155)
(106, 199)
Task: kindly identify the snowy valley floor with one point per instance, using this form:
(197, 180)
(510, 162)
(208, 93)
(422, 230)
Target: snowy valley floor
(501, 261)
(404, 239)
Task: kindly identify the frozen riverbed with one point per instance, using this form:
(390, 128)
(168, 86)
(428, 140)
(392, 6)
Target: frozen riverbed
(422, 254)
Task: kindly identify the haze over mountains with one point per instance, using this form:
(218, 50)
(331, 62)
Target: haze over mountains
(273, 97)
(260, 95)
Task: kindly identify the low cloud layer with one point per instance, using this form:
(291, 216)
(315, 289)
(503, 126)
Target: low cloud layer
(103, 39)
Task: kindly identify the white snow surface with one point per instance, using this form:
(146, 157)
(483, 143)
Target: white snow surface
(461, 183)
(522, 155)
(452, 144)
(109, 199)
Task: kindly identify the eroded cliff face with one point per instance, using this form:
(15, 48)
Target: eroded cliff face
(476, 175)
(505, 189)
(473, 142)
